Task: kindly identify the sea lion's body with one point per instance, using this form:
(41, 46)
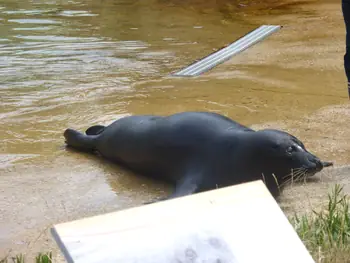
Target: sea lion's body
(196, 151)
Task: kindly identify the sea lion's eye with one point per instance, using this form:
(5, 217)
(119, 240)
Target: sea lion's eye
(290, 149)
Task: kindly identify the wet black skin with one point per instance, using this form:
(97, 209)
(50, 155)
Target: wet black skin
(199, 151)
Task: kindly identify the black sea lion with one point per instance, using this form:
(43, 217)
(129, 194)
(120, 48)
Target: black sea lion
(199, 151)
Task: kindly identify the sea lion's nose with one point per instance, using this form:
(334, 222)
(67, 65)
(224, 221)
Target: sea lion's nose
(327, 164)
(318, 165)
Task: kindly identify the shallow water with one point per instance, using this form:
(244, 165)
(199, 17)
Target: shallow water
(78, 63)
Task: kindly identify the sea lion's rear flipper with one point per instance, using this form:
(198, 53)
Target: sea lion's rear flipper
(94, 130)
(79, 140)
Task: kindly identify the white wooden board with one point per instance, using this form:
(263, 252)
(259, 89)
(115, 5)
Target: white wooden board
(237, 224)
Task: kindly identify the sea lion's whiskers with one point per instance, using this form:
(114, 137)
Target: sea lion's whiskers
(302, 175)
(292, 176)
(277, 183)
(295, 170)
(295, 176)
(298, 175)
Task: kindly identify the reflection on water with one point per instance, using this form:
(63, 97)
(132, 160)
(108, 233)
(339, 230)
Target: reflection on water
(65, 62)
(78, 63)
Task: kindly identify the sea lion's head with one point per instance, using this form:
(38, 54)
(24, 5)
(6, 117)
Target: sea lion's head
(284, 156)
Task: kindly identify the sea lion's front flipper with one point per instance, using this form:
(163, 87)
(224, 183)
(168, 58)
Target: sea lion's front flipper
(95, 130)
(187, 185)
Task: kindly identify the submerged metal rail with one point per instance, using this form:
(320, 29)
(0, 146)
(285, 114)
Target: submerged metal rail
(226, 53)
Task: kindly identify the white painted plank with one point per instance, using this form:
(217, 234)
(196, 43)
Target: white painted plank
(226, 53)
(237, 224)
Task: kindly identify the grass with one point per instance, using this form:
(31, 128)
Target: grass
(326, 234)
(40, 258)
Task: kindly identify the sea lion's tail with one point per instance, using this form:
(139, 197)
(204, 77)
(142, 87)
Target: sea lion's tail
(79, 141)
(94, 130)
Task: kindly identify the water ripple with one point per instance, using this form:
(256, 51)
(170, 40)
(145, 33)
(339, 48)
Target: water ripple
(34, 21)
(75, 13)
(43, 28)
(28, 12)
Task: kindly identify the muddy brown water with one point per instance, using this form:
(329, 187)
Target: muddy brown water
(78, 63)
